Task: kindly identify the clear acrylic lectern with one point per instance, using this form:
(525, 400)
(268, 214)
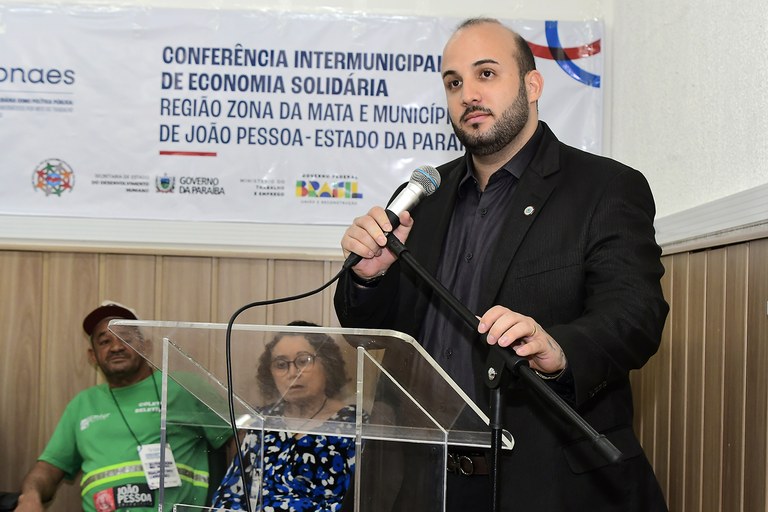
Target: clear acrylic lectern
(407, 411)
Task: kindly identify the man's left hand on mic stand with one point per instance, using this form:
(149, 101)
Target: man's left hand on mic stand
(527, 338)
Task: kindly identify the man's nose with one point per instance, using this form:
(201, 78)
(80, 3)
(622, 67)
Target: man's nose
(116, 344)
(470, 93)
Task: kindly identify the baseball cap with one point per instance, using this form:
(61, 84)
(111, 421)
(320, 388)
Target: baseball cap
(108, 308)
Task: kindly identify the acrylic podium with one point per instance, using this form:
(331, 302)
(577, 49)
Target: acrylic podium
(407, 411)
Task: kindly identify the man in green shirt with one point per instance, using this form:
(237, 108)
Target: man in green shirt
(111, 433)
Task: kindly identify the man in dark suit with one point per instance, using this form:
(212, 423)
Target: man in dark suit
(554, 248)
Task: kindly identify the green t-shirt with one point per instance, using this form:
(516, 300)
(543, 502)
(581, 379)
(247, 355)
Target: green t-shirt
(93, 437)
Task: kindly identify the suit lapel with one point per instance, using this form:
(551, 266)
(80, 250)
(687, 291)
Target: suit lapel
(527, 202)
(535, 187)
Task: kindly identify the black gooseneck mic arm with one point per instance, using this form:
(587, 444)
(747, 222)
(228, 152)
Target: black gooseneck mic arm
(498, 361)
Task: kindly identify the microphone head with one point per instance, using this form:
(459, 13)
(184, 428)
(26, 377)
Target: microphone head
(427, 178)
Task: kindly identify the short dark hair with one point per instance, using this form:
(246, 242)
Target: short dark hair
(329, 356)
(525, 60)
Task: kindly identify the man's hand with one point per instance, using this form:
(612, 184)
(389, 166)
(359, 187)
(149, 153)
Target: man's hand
(367, 237)
(38, 487)
(527, 338)
(29, 503)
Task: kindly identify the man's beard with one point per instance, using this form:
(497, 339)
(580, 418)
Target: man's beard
(507, 127)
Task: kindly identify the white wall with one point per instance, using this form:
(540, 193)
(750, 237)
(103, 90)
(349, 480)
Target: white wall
(684, 101)
(689, 89)
(690, 111)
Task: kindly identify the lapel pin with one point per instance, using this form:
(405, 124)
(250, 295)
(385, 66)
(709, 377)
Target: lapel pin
(528, 210)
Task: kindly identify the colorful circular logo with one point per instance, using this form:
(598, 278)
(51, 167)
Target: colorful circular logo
(53, 176)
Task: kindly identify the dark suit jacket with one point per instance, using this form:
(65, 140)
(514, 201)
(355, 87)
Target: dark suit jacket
(578, 254)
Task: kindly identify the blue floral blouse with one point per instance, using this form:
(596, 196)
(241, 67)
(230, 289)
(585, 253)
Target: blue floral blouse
(311, 473)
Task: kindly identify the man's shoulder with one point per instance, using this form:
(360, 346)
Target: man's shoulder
(88, 395)
(556, 154)
(87, 402)
(572, 154)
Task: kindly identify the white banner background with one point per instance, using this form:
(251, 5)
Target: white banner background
(104, 115)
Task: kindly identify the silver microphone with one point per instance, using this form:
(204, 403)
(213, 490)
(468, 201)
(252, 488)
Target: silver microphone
(423, 182)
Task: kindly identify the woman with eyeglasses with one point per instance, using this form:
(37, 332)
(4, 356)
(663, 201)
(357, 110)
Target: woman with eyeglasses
(302, 374)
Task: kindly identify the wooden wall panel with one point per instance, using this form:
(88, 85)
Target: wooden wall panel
(734, 377)
(185, 289)
(185, 295)
(756, 398)
(701, 402)
(333, 268)
(130, 280)
(297, 277)
(240, 282)
(71, 291)
(21, 295)
(714, 353)
(678, 329)
(694, 397)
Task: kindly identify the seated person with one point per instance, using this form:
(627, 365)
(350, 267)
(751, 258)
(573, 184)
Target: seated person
(107, 430)
(303, 373)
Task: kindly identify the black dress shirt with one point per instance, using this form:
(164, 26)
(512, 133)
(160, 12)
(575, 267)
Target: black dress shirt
(473, 232)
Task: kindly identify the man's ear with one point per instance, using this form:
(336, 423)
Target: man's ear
(534, 85)
(92, 357)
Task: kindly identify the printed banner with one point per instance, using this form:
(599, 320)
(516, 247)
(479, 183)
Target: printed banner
(257, 116)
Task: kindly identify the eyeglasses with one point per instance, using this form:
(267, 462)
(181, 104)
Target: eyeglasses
(302, 362)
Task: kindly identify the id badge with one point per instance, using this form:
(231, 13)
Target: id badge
(150, 461)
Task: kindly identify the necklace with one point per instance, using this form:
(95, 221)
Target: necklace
(120, 410)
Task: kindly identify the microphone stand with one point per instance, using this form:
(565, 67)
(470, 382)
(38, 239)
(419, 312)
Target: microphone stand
(498, 361)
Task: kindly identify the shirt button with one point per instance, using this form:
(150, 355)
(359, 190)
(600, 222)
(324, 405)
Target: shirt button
(449, 353)
(483, 212)
(468, 256)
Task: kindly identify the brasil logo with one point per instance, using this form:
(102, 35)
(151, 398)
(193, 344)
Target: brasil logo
(333, 189)
(53, 176)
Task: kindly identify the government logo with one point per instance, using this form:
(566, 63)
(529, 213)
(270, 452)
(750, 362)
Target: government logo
(53, 177)
(165, 183)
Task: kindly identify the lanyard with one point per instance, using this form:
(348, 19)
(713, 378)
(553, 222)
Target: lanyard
(121, 410)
